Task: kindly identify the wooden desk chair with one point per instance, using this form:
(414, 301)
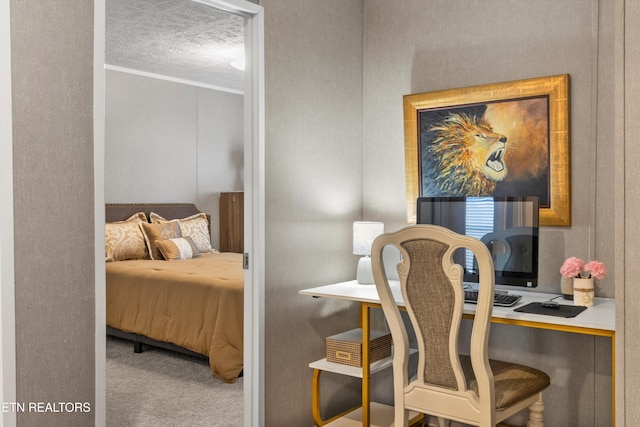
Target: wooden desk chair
(468, 389)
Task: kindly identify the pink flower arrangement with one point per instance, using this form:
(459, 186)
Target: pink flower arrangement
(576, 267)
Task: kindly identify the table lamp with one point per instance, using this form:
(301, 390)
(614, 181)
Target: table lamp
(364, 233)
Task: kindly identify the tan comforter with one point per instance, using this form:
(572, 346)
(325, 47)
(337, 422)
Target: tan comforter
(196, 304)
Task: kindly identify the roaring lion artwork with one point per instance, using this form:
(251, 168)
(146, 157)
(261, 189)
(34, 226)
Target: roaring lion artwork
(466, 158)
(486, 150)
(507, 139)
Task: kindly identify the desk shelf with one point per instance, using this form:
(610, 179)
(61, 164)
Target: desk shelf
(353, 371)
(381, 416)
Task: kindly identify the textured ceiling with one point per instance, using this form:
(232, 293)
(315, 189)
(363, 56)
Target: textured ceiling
(176, 38)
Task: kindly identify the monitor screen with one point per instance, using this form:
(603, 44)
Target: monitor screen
(507, 225)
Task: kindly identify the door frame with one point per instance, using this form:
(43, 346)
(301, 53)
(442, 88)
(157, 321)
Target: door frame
(254, 190)
(7, 269)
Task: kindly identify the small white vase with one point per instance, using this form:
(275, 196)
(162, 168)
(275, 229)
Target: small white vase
(583, 292)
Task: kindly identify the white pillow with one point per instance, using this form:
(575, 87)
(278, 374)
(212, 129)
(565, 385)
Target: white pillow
(178, 248)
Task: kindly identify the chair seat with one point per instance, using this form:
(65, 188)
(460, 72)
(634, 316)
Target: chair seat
(513, 382)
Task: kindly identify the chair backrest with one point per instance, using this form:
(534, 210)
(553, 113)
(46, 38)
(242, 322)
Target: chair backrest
(510, 248)
(431, 286)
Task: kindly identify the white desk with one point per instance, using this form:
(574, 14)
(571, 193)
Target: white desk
(597, 320)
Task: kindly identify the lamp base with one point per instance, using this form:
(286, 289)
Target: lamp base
(365, 272)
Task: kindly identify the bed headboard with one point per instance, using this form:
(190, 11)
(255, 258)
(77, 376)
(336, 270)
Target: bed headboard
(121, 211)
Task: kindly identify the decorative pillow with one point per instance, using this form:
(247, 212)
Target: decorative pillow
(154, 232)
(195, 226)
(178, 248)
(124, 240)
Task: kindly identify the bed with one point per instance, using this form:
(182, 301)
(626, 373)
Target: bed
(192, 302)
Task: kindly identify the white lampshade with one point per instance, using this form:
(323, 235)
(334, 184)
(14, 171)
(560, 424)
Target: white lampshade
(364, 233)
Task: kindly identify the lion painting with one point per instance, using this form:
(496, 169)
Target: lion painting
(466, 157)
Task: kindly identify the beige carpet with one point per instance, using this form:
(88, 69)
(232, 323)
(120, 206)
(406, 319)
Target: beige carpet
(164, 389)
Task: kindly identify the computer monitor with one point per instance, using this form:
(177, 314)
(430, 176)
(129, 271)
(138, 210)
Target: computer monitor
(507, 225)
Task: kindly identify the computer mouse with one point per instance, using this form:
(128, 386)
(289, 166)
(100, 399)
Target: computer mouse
(550, 304)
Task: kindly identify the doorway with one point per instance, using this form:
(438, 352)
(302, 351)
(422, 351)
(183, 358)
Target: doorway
(254, 205)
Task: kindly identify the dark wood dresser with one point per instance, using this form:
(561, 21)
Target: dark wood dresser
(232, 222)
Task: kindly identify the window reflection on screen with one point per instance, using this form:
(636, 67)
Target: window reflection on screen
(507, 225)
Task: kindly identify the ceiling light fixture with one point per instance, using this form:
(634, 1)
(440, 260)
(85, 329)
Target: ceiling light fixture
(238, 64)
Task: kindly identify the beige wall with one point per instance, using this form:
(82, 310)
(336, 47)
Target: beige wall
(52, 89)
(629, 317)
(313, 67)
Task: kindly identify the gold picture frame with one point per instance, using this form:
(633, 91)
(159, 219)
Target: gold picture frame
(529, 117)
